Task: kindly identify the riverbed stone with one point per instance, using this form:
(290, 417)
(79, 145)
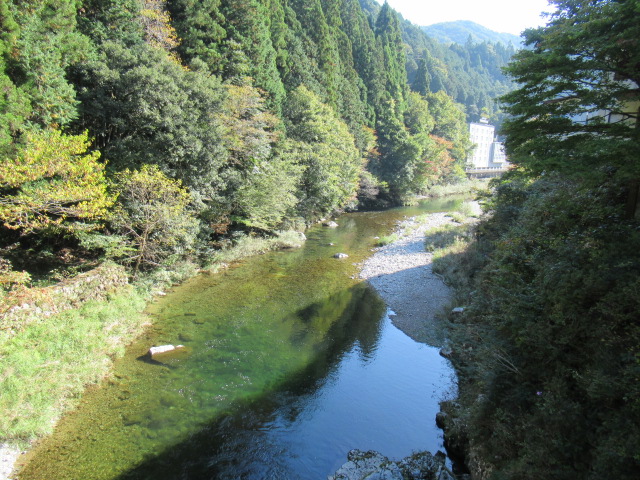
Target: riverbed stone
(446, 351)
(330, 224)
(441, 419)
(372, 465)
(153, 351)
(368, 465)
(340, 255)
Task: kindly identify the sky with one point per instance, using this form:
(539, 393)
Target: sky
(510, 16)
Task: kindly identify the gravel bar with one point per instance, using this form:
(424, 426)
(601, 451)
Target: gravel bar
(401, 274)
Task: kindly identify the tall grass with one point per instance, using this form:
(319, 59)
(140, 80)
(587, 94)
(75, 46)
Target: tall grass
(47, 365)
(466, 186)
(243, 246)
(456, 256)
(387, 239)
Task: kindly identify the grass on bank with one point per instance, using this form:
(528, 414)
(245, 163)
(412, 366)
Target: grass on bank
(48, 362)
(243, 246)
(46, 366)
(387, 239)
(456, 254)
(466, 186)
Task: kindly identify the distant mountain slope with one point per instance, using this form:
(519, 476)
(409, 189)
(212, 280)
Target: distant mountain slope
(459, 31)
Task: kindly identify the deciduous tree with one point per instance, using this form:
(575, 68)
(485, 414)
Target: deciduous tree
(153, 214)
(53, 181)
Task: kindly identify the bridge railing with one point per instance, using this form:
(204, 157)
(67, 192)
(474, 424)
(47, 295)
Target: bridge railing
(485, 169)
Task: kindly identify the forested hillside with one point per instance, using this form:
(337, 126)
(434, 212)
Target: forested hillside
(549, 345)
(470, 72)
(211, 116)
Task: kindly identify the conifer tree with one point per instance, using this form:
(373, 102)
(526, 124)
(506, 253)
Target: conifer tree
(200, 26)
(248, 49)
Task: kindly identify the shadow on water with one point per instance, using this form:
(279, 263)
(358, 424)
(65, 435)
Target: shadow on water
(288, 364)
(237, 445)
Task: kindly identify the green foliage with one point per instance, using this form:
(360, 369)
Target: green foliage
(389, 36)
(145, 109)
(14, 110)
(248, 48)
(44, 45)
(323, 146)
(559, 344)
(199, 25)
(450, 125)
(264, 181)
(267, 196)
(577, 108)
(152, 213)
(114, 20)
(53, 181)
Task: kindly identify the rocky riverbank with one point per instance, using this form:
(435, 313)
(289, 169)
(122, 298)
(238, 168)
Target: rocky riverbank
(374, 466)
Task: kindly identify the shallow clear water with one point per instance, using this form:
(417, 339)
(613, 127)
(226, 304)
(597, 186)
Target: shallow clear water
(289, 364)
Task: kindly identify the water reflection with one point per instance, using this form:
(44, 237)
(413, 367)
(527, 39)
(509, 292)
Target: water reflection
(371, 387)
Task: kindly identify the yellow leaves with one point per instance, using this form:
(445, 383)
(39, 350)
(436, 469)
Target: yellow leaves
(158, 29)
(51, 181)
(250, 129)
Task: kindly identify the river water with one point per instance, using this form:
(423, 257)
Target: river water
(289, 363)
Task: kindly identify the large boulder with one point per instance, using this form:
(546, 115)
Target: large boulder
(369, 465)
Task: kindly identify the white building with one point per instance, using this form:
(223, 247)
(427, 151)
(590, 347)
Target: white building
(489, 153)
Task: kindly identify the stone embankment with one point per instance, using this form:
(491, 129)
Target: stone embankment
(23, 306)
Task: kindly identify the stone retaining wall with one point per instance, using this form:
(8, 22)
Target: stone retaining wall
(24, 306)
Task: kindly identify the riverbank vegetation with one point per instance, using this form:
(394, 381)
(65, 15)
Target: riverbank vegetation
(548, 346)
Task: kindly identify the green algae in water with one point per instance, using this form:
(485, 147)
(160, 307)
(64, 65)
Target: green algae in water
(247, 331)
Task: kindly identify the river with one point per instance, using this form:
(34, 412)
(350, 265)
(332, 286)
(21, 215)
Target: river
(289, 363)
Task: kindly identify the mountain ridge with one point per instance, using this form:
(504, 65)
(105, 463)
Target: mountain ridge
(459, 31)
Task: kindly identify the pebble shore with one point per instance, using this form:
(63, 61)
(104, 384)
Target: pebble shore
(401, 274)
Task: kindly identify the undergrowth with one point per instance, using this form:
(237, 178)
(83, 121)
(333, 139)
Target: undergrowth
(466, 186)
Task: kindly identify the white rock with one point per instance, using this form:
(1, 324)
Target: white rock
(164, 349)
